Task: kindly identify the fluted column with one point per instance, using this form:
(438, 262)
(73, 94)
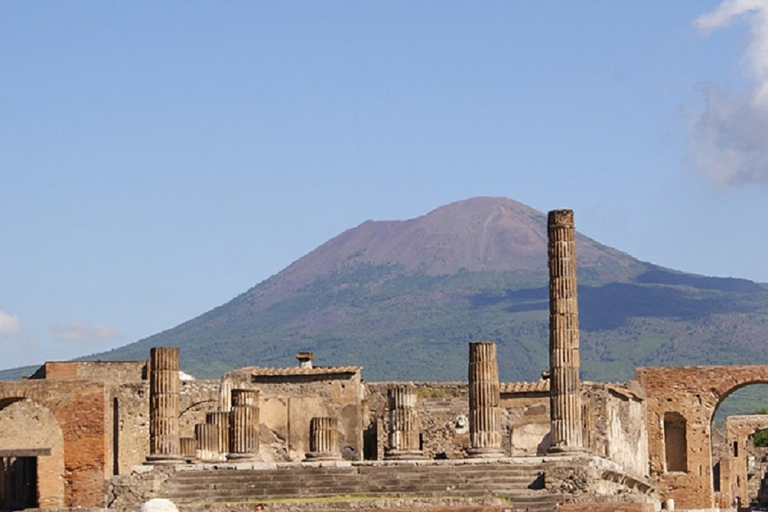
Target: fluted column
(565, 384)
(188, 448)
(484, 412)
(164, 385)
(207, 436)
(243, 425)
(225, 395)
(220, 419)
(404, 439)
(324, 439)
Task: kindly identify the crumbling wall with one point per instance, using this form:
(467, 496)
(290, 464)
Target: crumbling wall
(111, 371)
(25, 424)
(131, 434)
(80, 408)
(614, 418)
(290, 398)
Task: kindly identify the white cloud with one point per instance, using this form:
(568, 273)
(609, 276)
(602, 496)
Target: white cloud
(729, 141)
(10, 326)
(80, 332)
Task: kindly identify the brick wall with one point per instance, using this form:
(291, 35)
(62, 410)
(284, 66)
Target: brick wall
(693, 393)
(79, 409)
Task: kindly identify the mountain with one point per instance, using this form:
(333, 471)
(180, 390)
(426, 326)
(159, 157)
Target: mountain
(403, 299)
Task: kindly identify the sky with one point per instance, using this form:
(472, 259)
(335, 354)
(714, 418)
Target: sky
(159, 158)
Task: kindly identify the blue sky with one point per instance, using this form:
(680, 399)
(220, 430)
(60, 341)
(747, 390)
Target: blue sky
(159, 158)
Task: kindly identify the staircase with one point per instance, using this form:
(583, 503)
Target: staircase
(520, 485)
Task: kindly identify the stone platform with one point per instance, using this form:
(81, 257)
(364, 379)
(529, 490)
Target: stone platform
(533, 484)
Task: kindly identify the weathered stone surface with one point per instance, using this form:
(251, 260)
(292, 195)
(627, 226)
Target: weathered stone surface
(404, 436)
(484, 398)
(565, 384)
(164, 386)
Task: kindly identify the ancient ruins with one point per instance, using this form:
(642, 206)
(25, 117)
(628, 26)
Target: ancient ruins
(111, 435)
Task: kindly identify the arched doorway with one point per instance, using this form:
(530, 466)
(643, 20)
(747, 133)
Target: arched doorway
(681, 401)
(31, 453)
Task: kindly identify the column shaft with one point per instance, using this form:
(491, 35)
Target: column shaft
(164, 385)
(220, 419)
(323, 439)
(484, 397)
(565, 384)
(404, 439)
(243, 425)
(207, 437)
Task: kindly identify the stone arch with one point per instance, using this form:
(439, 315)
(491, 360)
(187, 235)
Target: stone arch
(694, 392)
(28, 427)
(739, 377)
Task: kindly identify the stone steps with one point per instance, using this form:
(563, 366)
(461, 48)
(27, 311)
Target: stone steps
(515, 483)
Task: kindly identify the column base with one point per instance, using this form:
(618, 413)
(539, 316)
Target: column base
(166, 459)
(485, 453)
(241, 457)
(321, 456)
(404, 455)
(555, 451)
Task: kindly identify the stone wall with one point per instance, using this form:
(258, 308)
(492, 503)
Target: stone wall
(290, 397)
(110, 371)
(611, 418)
(25, 424)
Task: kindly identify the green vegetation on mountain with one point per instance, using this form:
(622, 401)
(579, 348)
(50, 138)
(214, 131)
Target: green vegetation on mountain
(403, 299)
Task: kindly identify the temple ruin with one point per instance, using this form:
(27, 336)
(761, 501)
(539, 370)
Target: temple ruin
(111, 435)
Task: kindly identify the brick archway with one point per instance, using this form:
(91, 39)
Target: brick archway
(694, 393)
(32, 437)
(79, 409)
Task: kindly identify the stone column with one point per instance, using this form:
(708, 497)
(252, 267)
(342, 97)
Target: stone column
(243, 425)
(565, 385)
(220, 419)
(404, 440)
(207, 437)
(484, 412)
(225, 395)
(188, 448)
(164, 384)
(323, 439)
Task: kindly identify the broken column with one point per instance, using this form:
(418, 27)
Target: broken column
(323, 439)
(243, 425)
(404, 439)
(164, 385)
(188, 448)
(484, 412)
(207, 437)
(220, 422)
(565, 385)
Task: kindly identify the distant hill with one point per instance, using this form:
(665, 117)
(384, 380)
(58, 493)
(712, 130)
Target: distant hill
(403, 299)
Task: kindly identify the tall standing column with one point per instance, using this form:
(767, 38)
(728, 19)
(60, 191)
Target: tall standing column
(565, 385)
(244, 425)
(404, 439)
(323, 439)
(484, 412)
(164, 384)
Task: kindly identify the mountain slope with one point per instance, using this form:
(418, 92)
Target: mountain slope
(403, 299)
